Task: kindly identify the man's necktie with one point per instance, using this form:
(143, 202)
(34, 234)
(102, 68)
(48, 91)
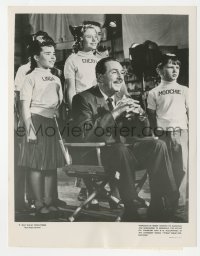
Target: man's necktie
(115, 134)
(110, 103)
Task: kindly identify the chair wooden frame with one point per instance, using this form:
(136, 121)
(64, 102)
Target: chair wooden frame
(91, 171)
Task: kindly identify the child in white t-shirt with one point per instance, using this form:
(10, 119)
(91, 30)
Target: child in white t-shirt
(168, 112)
(20, 176)
(41, 95)
(79, 69)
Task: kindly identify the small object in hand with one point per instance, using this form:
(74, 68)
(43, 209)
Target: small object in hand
(32, 141)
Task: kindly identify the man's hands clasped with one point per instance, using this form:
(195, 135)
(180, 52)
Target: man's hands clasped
(127, 107)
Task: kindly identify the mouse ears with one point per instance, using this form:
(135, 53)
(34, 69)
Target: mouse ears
(76, 31)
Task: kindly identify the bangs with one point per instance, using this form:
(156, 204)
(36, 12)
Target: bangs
(48, 43)
(168, 59)
(174, 62)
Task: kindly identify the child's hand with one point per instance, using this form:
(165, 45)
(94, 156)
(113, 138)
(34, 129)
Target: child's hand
(32, 138)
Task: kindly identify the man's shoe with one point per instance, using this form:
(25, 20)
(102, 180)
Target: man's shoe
(161, 210)
(130, 217)
(94, 205)
(140, 203)
(114, 205)
(170, 206)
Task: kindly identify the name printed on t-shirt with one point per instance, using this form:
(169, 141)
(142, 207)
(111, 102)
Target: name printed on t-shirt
(48, 78)
(89, 61)
(171, 91)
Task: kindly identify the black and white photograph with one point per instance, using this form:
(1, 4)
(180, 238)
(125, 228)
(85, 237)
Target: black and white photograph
(101, 118)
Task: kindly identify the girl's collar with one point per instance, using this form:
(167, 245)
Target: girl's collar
(82, 53)
(44, 70)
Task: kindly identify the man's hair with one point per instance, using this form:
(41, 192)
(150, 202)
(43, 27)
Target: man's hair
(93, 23)
(101, 67)
(166, 58)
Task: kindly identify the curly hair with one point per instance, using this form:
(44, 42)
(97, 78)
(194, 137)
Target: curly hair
(34, 37)
(92, 23)
(35, 48)
(78, 32)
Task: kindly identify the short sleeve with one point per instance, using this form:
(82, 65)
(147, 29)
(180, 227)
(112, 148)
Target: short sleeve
(151, 102)
(19, 78)
(27, 89)
(69, 68)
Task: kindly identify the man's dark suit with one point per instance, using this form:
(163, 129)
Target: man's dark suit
(90, 112)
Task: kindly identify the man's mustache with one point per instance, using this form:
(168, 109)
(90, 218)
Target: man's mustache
(118, 81)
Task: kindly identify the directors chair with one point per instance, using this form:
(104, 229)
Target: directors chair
(96, 173)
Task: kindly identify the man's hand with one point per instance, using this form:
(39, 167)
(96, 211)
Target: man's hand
(136, 110)
(124, 106)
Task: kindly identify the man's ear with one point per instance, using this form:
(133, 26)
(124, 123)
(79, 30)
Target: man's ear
(99, 78)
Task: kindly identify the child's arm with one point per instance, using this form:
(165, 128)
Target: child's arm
(70, 81)
(18, 108)
(186, 102)
(26, 97)
(152, 118)
(19, 79)
(31, 134)
(151, 111)
(69, 91)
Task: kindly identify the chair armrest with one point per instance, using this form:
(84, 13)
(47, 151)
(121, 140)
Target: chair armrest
(96, 145)
(136, 139)
(85, 145)
(146, 138)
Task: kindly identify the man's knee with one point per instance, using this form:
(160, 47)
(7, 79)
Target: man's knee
(160, 144)
(120, 149)
(117, 153)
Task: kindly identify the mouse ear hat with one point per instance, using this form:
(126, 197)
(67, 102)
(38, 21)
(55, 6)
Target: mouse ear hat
(76, 31)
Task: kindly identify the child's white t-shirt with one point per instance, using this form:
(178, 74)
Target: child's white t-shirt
(170, 100)
(43, 92)
(81, 68)
(21, 75)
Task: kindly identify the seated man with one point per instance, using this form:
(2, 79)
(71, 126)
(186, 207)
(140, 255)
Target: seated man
(103, 114)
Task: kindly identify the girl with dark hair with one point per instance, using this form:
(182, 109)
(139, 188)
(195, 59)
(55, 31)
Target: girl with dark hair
(22, 71)
(41, 95)
(35, 48)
